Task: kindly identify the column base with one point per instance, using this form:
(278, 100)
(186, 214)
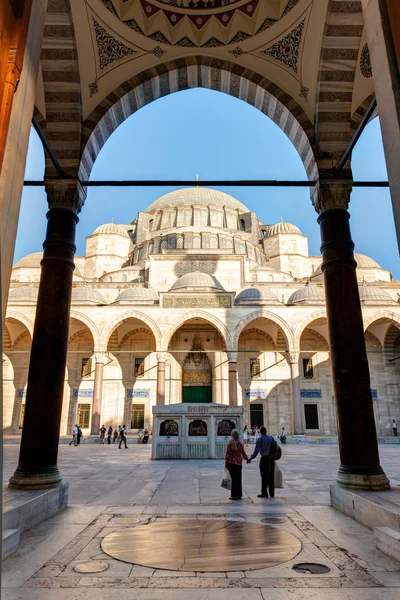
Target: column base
(376, 482)
(35, 481)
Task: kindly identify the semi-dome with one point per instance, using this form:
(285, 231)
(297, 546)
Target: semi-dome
(26, 293)
(369, 293)
(30, 261)
(281, 227)
(257, 294)
(310, 294)
(196, 195)
(196, 280)
(87, 295)
(137, 294)
(113, 229)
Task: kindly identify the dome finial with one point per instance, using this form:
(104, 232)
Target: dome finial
(112, 219)
(197, 178)
(282, 220)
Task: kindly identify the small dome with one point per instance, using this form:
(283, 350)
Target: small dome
(31, 261)
(257, 294)
(196, 195)
(113, 229)
(137, 294)
(369, 293)
(87, 295)
(281, 227)
(363, 262)
(26, 293)
(310, 294)
(197, 279)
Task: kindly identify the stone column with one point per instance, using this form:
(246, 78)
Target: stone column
(381, 30)
(233, 395)
(359, 457)
(296, 400)
(37, 467)
(97, 393)
(161, 357)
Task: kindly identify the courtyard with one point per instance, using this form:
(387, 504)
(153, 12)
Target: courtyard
(114, 490)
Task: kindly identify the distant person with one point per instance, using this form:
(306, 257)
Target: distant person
(246, 436)
(102, 434)
(394, 427)
(140, 435)
(282, 436)
(234, 455)
(256, 434)
(145, 436)
(74, 440)
(109, 434)
(115, 435)
(263, 447)
(79, 435)
(122, 435)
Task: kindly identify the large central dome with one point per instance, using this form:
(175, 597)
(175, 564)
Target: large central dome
(196, 195)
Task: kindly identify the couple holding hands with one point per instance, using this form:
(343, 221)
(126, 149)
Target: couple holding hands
(235, 454)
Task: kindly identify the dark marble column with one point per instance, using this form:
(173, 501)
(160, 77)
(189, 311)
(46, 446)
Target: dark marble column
(161, 356)
(97, 394)
(359, 457)
(233, 395)
(37, 467)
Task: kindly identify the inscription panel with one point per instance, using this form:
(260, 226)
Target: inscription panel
(222, 301)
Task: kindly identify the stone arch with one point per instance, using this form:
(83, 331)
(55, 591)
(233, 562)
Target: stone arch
(196, 314)
(263, 314)
(193, 72)
(130, 314)
(382, 314)
(90, 325)
(21, 337)
(12, 314)
(131, 332)
(321, 314)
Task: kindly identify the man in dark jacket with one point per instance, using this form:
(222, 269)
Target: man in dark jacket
(264, 447)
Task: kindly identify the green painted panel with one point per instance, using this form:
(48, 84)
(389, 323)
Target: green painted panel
(197, 394)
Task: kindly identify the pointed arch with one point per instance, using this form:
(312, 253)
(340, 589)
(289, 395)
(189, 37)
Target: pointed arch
(321, 314)
(129, 314)
(196, 314)
(382, 314)
(89, 324)
(12, 314)
(264, 314)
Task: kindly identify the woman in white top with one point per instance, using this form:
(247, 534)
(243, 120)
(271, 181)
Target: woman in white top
(256, 434)
(246, 436)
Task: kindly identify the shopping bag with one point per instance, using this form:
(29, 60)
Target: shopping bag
(278, 477)
(226, 482)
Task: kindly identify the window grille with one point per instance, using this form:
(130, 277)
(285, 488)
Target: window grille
(254, 368)
(139, 367)
(137, 416)
(308, 371)
(84, 416)
(86, 368)
(21, 416)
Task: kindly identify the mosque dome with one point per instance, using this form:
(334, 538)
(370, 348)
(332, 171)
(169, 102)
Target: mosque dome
(26, 293)
(30, 261)
(196, 280)
(310, 294)
(87, 295)
(137, 295)
(363, 262)
(282, 227)
(256, 294)
(375, 295)
(196, 195)
(112, 229)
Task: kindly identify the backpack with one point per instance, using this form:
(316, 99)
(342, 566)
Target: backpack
(275, 450)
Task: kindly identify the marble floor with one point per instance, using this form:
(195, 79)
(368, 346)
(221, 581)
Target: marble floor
(112, 489)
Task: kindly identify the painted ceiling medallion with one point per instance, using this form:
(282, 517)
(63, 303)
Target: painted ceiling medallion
(108, 47)
(287, 49)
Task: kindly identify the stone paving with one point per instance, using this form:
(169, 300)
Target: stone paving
(111, 489)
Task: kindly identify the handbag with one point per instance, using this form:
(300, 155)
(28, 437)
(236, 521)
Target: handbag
(226, 482)
(278, 477)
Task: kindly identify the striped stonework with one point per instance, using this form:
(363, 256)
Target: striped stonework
(61, 81)
(196, 72)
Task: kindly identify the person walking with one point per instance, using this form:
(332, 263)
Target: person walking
(102, 434)
(394, 427)
(74, 440)
(109, 434)
(115, 435)
(140, 435)
(256, 434)
(78, 435)
(246, 436)
(234, 455)
(122, 435)
(264, 447)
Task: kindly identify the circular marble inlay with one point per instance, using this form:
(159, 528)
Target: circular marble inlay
(311, 568)
(273, 520)
(92, 566)
(202, 545)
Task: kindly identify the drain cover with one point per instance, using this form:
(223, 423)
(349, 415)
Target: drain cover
(273, 520)
(311, 568)
(92, 566)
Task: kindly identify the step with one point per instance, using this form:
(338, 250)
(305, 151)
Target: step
(10, 542)
(372, 509)
(387, 540)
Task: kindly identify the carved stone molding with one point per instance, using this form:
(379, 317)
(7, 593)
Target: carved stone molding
(232, 356)
(161, 356)
(100, 357)
(330, 194)
(293, 357)
(65, 193)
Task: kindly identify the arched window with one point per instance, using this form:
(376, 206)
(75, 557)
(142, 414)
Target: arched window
(151, 223)
(242, 225)
(169, 428)
(198, 428)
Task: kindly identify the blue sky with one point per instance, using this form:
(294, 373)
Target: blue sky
(219, 137)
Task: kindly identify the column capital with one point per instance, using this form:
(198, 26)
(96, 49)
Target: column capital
(293, 357)
(65, 193)
(161, 356)
(232, 356)
(328, 194)
(100, 357)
